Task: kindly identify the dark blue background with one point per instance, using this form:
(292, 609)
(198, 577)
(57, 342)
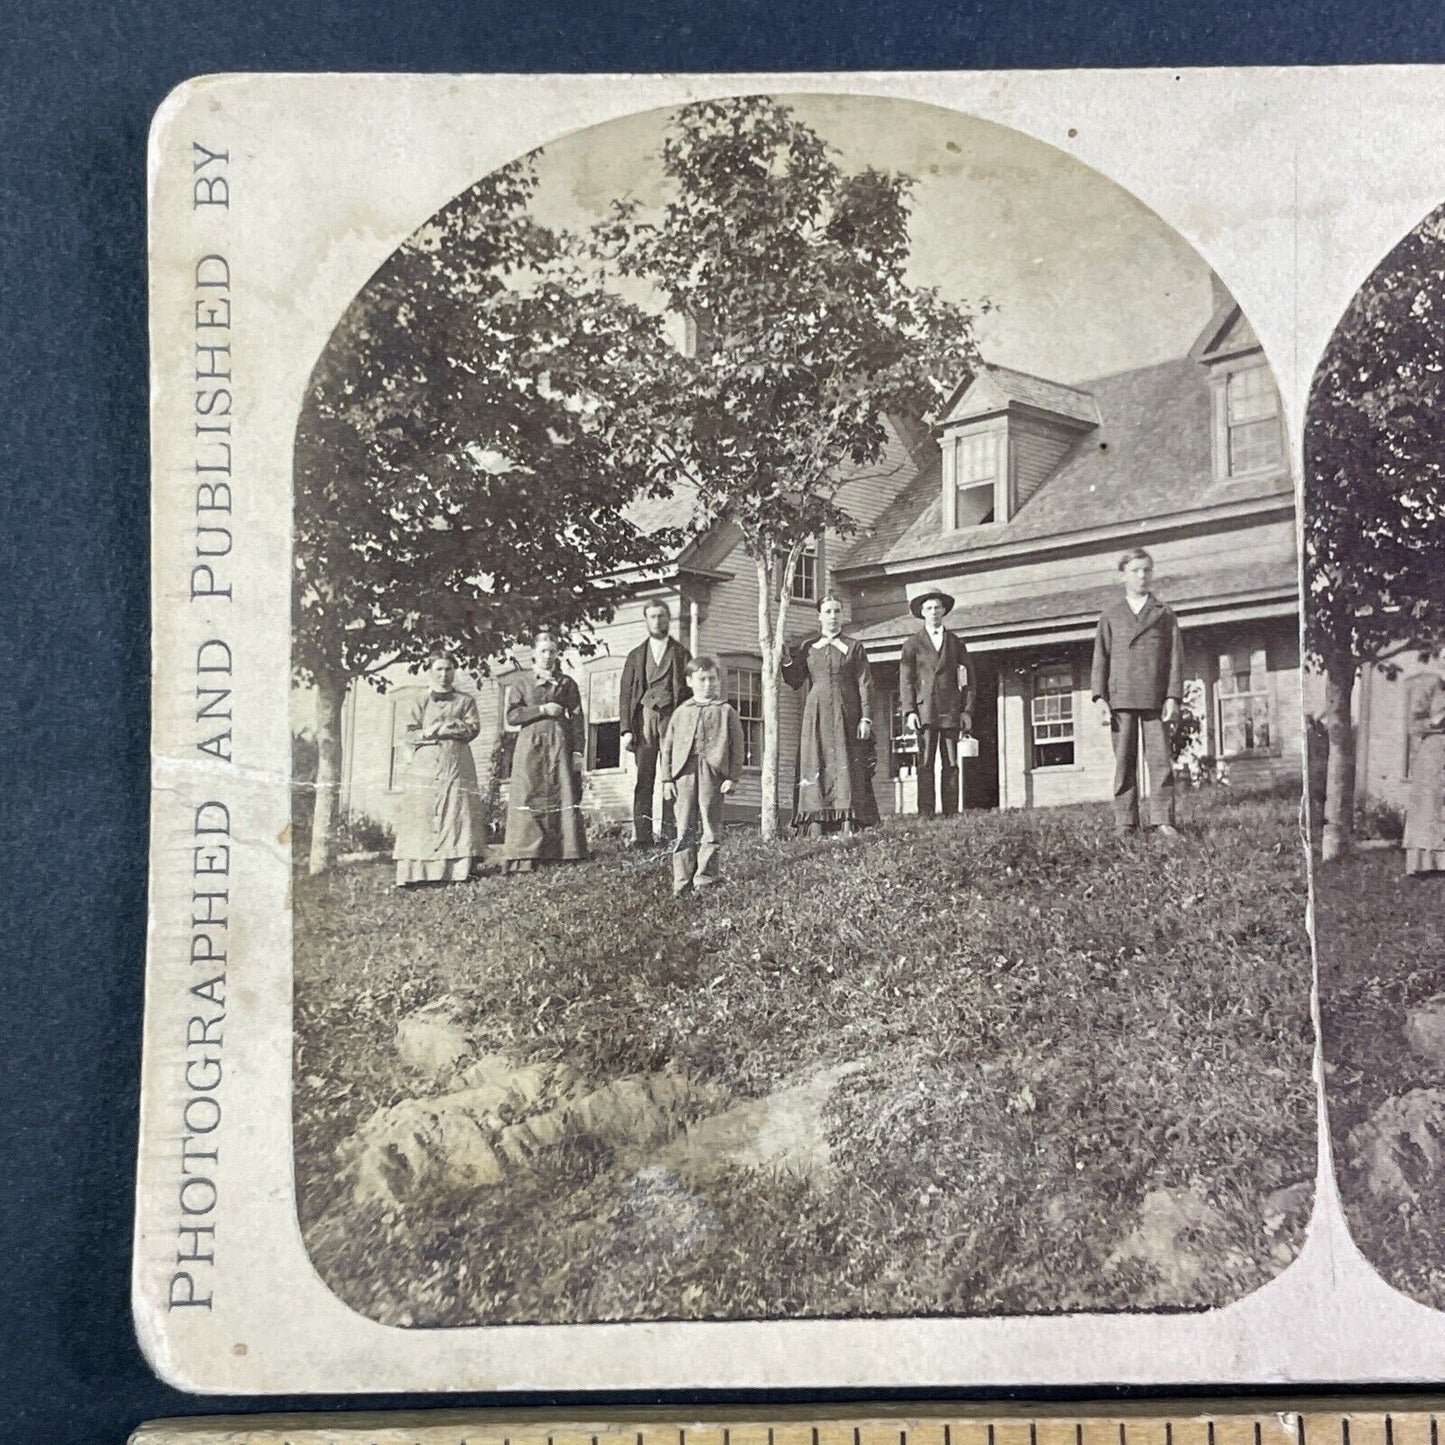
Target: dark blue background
(78, 85)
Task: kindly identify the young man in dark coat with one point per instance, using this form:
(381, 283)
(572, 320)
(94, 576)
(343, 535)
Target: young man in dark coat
(1137, 684)
(654, 682)
(935, 693)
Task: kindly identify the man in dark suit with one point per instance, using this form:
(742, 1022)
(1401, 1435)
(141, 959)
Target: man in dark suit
(654, 682)
(1138, 683)
(935, 693)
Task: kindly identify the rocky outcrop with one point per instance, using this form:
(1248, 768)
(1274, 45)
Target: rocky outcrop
(1425, 1029)
(503, 1119)
(1399, 1149)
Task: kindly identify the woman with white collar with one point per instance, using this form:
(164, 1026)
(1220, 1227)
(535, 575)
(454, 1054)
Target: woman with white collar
(834, 789)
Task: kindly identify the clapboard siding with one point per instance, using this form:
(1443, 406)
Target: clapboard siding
(1035, 449)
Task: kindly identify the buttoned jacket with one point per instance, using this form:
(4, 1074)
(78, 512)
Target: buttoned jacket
(723, 751)
(1138, 661)
(936, 684)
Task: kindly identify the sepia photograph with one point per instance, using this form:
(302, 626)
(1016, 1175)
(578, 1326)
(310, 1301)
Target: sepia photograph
(1375, 629)
(798, 765)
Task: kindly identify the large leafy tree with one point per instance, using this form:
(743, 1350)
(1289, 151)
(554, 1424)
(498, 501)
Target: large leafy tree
(1375, 492)
(795, 274)
(470, 442)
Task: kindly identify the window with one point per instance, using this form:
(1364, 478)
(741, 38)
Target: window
(1252, 430)
(745, 692)
(604, 730)
(1246, 709)
(976, 477)
(902, 744)
(1051, 718)
(805, 575)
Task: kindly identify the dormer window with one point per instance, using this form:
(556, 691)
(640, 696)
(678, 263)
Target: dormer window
(977, 470)
(1003, 433)
(1247, 422)
(975, 476)
(1252, 440)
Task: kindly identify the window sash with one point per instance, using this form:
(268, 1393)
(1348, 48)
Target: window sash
(977, 459)
(1052, 720)
(745, 693)
(805, 575)
(1252, 430)
(1245, 712)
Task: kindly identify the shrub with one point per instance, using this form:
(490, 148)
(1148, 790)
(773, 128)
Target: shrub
(361, 833)
(1188, 745)
(1379, 820)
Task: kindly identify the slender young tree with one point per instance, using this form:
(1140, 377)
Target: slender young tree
(795, 275)
(1375, 493)
(470, 442)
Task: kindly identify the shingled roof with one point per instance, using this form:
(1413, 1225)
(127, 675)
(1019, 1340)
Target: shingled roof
(1148, 457)
(1184, 589)
(1034, 391)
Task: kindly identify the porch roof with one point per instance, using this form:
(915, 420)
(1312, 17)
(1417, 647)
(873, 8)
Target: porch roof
(1268, 587)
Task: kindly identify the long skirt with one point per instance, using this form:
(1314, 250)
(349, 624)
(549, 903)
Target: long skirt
(438, 824)
(834, 785)
(1424, 839)
(544, 799)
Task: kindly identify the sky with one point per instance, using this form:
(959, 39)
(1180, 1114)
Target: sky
(1084, 279)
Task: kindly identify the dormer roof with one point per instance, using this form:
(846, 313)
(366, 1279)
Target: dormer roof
(993, 389)
(1148, 458)
(1227, 334)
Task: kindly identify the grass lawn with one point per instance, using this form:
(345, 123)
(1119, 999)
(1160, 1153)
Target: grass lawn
(1078, 1068)
(1381, 940)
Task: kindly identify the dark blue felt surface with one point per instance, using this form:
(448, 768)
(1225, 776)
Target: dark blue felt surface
(80, 81)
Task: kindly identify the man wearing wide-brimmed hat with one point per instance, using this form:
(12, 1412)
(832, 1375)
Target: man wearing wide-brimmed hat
(935, 690)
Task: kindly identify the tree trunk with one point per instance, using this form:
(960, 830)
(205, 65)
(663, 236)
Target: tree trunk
(1340, 774)
(330, 695)
(772, 629)
(771, 655)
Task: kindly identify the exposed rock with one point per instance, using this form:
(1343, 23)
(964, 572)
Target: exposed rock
(1400, 1147)
(1161, 1241)
(1425, 1029)
(783, 1130)
(476, 1137)
(1282, 1203)
(435, 1040)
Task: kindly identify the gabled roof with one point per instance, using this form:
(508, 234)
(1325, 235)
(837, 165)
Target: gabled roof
(1149, 457)
(993, 388)
(1227, 334)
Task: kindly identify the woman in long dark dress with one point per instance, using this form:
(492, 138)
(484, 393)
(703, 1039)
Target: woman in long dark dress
(544, 796)
(438, 825)
(834, 790)
(1424, 839)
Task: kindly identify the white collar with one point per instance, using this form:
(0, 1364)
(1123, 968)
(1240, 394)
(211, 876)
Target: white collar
(1136, 606)
(832, 642)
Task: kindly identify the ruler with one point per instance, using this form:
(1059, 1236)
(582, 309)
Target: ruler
(1216, 1422)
